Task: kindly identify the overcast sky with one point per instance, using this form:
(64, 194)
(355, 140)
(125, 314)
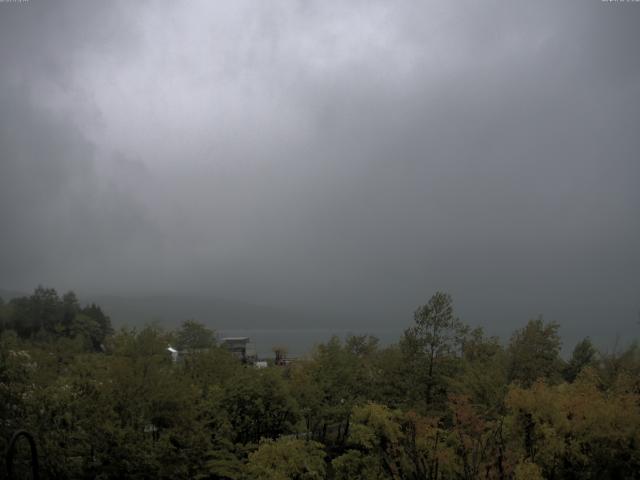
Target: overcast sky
(350, 157)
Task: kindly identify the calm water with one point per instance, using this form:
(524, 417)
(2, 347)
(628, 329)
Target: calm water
(299, 342)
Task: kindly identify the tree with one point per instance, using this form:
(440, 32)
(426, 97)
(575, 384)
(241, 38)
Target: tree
(37, 314)
(88, 329)
(70, 308)
(46, 316)
(475, 439)
(534, 353)
(103, 322)
(389, 444)
(436, 338)
(483, 374)
(331, 382)
(194, 335)
(287, 459)
(393, 381)
(258, 405)
(575, 430)
(355, 465)
(46, 308)
(361, 345)
(377, 433)
(4, 316)
(621, 369)
(584, 355)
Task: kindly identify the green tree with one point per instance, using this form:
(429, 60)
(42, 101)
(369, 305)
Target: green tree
(259, 405)
(104, 325)
(393, 382)
(483, 373)
(386, 443)
(45, 316)
(38, 314)
(534, 352)
(575, 430)
(331, 382)
(287, 459)
(621, 368)
(584, 355)
(356, 465)
(435, 341)
(474, 438)
(86, 328)
(4, 316)
(361, 346)
(377, 432)
(193, 335)
(70, 308)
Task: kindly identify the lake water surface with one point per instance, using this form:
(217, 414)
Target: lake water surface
(299, 342)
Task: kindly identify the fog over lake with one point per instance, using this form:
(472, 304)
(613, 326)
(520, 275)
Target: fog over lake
(337, 161)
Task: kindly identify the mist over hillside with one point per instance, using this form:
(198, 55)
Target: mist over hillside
(425, 215)
(170, 310)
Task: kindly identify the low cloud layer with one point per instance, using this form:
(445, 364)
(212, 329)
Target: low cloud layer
(348, 158)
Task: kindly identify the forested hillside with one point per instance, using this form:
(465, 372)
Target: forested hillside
(444, 402)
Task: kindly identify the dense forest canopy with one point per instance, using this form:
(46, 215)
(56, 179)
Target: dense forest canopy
(444, 402)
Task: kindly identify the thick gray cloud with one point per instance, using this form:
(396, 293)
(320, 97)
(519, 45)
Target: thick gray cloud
(347, 157)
